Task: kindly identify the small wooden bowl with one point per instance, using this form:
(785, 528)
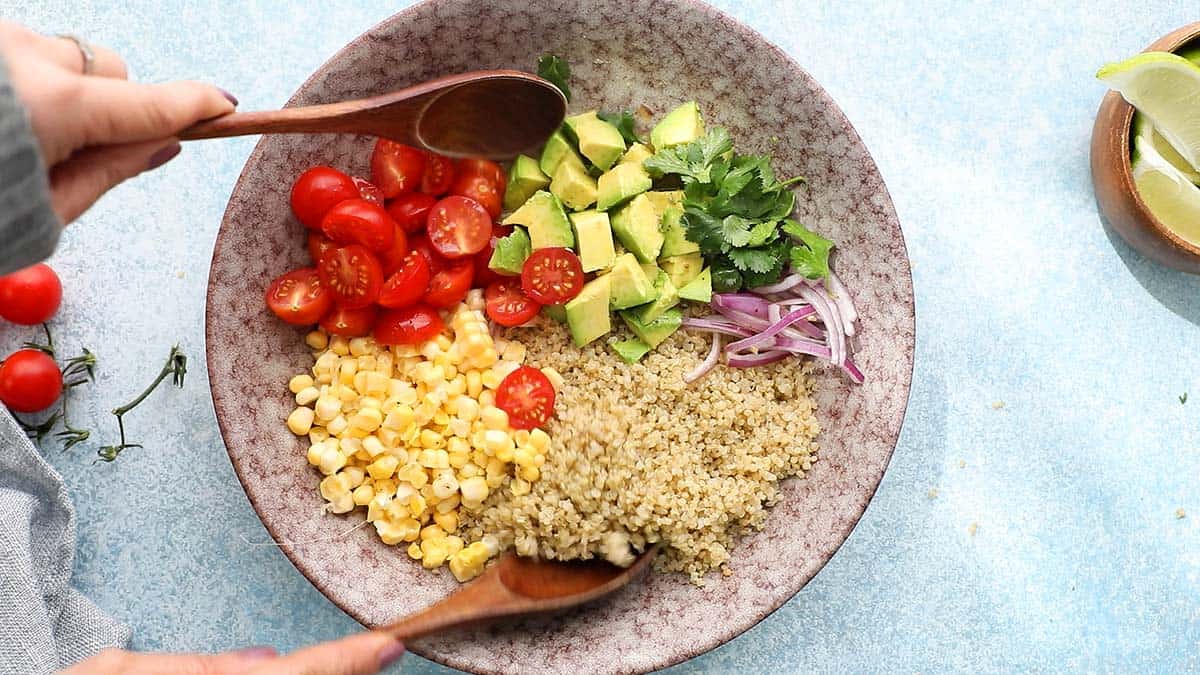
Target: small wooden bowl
(1112, 176)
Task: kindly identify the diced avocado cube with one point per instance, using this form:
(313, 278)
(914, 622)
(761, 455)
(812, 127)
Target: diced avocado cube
(524, 179)
(636, 226)
(654, 332)
(556, 312)
(557, 150)
(667, 298)
(636, 154)
(631, 350)
(682, 125)
(599, 141)
(651, 270)
(665, 199)
(511, 252)
(682, 268)
(620, 184)
(675, 241)
(594, 240)
(547, 222)
(630, 285)
(698, 289)
(573, 186)
(587, 313)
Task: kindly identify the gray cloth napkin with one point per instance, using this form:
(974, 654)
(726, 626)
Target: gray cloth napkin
(45, 624)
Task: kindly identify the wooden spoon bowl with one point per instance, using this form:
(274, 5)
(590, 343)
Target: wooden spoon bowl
(1112, 176)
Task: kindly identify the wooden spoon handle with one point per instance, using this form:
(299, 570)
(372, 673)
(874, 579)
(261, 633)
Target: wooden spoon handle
(327, 118)
(484, 599)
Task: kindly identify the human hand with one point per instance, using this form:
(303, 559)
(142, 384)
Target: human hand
(358, 654)
(100, 129)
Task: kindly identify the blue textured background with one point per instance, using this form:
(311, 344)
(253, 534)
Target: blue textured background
(1044, 409)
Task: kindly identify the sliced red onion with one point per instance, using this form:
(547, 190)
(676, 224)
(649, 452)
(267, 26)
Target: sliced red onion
(852, 370)
(717, 324)
(787, 283)
(774, 312)
(842, 297)
(765, 338)
(759, 359)
(803, 347)
(741, 302)
(829, 316)
(714, 356)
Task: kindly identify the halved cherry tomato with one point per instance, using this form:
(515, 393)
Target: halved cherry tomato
(350, 322)
(391, 259)
(357, 221)
(439, 175)
(319, 245)
(482, 167)
(408, 326)
(507, 305)
(527, 396)
(368, 191)
(30, 296)
(353, 274)
(450, 285)
(396, 168)
(410, 210)
(481, 189)
(485, 275)
(408, 284)
(299, 297)
(319, 189)
(458, 227)
(420, 244)
(552, 276)
(29, 381)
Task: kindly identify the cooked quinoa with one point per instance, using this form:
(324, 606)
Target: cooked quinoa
(639, 457)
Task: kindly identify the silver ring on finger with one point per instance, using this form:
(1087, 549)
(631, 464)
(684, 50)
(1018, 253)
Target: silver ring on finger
(85, 50)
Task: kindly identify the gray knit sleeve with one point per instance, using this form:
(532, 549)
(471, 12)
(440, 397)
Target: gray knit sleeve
(28, 227)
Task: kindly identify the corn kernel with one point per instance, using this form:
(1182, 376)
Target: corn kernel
(389, 438)
(346, 372)
(555, 378)
(524, 456)
(339, 345)
(325, 363)
(413, 474)
(539, 460)
(367, 419)
(431, 439)
(434, 459)
(399, 418)
(386, 487)
(315, 453)
(529, 473)
(433, 552)
(317, 434)
(383, 467)
(519, 487)
(494, 418)
(513, 351)
(331, 461)
(343, 504)
(540, 440)
(432, 532)
(307, 395)
(378, 506)
(355, 475)
(317, 340)
(300, 421)
(475, 299)
(376, 384)
(447, 521)
(361, 345)
(474, 489)
(498, 441)
(491, 379)
(363, 494)
(468, 470)
(299, 383)
(474, 383)
(449, 504)
(521, 437)
(414, 551)
(487, 397)
(349, 445)
(504, 368)
(337, 425)
(445, 484)
(458, 428)
(327, 408)
(373, 446)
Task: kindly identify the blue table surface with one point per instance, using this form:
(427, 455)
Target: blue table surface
(1041, 510)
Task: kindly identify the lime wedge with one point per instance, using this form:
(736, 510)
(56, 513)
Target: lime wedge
(1144, 128)
(1165, 88)
(1172, 198)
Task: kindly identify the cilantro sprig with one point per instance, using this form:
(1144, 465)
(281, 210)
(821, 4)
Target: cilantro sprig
(736, 210)
(554, 69)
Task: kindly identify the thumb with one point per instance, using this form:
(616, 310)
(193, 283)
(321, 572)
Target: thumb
(360, 654)
(78, 182)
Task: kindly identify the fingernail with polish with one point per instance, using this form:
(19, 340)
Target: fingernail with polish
(390, 654)
(231, 97)
(164, 155)
(256, 653)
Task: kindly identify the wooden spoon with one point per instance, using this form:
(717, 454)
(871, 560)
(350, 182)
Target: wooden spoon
(489, 113)
(517, 586)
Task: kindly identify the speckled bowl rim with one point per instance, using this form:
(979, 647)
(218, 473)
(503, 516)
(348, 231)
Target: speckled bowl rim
(893, 437)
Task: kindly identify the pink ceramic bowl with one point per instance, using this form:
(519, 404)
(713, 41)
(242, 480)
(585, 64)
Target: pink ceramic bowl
(622, 54)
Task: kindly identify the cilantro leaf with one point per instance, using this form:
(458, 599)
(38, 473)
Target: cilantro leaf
(692, 161)
(703, 228)
(764, 232)
(811, 258)
(735, 230)
(554, 69)
(759, 260)
(624, 123)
